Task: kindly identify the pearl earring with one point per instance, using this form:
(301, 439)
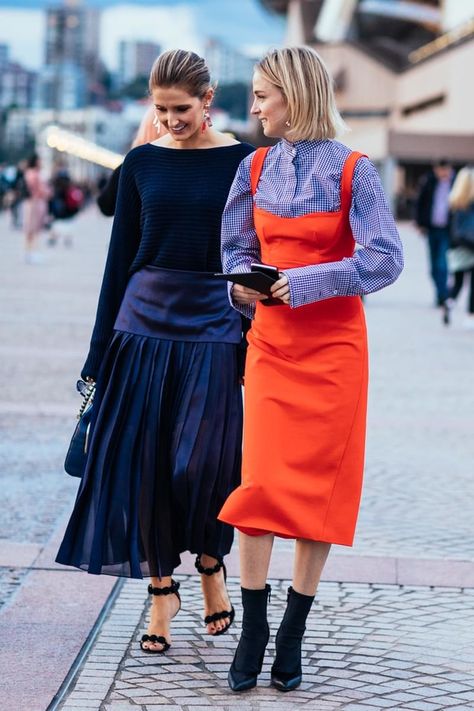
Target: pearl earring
(287, 123)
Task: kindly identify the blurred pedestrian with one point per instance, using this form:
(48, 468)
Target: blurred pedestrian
(108, 192)
(165, 446)
(301, 206)
(433, 220)
(461, 254)
(19, 193)
(35, 209)
(66, 201)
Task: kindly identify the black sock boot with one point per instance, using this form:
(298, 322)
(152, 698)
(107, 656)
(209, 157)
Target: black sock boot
(248, 658)
(286, 670)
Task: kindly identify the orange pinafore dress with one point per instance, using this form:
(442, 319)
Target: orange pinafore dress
(305, 389)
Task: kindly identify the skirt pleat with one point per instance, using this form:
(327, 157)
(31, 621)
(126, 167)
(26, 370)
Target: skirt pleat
(165, 453)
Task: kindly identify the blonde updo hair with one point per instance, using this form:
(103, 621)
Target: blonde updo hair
(303, 79)
(178, 67)
(462, 192)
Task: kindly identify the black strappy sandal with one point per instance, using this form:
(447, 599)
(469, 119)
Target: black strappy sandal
(159, 639)
(217, 615)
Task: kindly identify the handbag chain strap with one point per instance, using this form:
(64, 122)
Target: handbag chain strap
(88, 398)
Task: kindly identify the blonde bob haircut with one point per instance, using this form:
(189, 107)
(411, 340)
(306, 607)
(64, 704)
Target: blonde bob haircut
(462, 192)
(303, 79)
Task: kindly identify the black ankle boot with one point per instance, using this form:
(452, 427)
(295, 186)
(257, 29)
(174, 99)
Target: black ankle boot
(286, 670)
(248, 658)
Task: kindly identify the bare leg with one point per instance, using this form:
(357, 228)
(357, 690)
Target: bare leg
(310, 558)
(30, 242)
(163, 609)
(215, 594)
(255, 553)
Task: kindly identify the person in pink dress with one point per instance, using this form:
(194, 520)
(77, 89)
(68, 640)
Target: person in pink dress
(36, 208)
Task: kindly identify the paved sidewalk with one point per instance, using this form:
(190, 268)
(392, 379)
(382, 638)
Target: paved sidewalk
(367, 647)
(393, 623)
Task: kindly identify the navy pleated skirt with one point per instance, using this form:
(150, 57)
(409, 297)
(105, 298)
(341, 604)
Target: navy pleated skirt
(165, 448)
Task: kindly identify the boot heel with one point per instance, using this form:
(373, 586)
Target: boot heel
(248, 659)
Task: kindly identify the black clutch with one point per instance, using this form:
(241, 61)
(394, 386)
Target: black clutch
(261, 278)
(76, 456)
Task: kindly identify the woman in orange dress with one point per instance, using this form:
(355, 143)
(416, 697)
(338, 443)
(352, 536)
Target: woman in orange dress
(301, 206)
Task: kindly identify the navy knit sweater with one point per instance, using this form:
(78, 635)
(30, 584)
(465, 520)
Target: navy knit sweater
(168, 214)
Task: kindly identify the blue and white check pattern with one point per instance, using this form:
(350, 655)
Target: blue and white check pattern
(304, 177)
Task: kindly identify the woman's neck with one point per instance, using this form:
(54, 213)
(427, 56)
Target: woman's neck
(207, 139)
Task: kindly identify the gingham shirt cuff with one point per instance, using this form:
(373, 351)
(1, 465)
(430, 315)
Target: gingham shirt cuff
(248, 310)
(320, 281)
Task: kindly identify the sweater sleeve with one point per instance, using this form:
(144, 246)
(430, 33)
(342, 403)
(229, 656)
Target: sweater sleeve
(123, 247)
(108, 196)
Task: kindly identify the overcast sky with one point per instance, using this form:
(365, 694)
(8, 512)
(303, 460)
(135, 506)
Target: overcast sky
(240, 23)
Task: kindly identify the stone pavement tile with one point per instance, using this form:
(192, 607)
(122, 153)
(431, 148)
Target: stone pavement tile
(399, 696)
(81, 703)
(447, 701)
(339, 673)
(348, 683)
(466, 695)
(421, 706)
(454, 687)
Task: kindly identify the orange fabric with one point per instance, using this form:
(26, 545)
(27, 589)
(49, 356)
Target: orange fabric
(305, 390)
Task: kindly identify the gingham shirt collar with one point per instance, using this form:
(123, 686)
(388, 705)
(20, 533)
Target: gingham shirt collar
(298, 148)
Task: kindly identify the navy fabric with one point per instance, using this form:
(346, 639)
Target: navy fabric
(165, 448)
(178, 305)
(168, 214)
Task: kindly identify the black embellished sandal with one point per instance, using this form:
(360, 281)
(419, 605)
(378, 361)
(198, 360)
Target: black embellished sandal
(159, 639)
(224, 614)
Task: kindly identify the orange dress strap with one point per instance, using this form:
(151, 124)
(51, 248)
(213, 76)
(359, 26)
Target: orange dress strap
(258, 159)
(346, 180)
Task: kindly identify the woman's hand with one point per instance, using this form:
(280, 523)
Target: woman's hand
(281, 289)
(244, 295)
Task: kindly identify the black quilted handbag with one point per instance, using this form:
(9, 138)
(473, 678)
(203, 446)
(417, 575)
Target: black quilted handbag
(76, 456)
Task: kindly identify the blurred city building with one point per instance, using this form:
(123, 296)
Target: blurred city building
(72, 72)
(227, 64)
(135, 60)
(61, 87)
(16, 82)
(401, 79)
(111, 130)
(73, 91)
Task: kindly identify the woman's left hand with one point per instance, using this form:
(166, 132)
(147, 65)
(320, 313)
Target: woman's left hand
(281, 289)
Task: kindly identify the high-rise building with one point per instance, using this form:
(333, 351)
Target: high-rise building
(16, 82)
(61, 87)
(4, 54)
(71, 54)
(136, 59)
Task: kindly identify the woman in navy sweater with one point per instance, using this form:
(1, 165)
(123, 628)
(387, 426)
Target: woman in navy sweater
(166, 440)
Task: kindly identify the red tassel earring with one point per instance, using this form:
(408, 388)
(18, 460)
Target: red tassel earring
(206, 119)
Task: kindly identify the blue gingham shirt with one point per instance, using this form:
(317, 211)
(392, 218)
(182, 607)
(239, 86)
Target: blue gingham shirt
(304, 177)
